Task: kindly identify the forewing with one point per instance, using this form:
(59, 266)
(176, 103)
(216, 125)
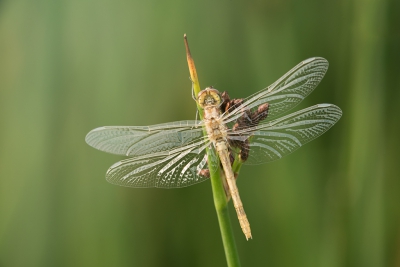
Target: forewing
(272, 140)
(286, 92)
(144, 140)
(164, 170)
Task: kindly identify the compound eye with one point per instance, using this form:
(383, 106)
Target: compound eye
(209, 97)
(201, 97)
(216, 98)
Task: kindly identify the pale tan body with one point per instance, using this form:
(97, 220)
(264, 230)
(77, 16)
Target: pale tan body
(217, 133)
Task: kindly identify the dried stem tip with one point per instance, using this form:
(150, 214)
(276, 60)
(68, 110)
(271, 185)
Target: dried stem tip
(192, 68)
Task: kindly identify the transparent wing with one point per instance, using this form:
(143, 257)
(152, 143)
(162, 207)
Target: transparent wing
(272, 140)
(144, 140)
(286, 92)
(165, 170)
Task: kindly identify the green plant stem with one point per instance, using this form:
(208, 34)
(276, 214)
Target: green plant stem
(220, 201)
(221, 206)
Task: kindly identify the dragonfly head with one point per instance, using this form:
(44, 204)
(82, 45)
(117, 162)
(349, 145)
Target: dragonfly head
(209, 97)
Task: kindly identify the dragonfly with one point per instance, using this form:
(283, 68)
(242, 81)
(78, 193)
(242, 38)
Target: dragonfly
(254, 130)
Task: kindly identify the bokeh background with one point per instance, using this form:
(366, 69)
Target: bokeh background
(68, 66)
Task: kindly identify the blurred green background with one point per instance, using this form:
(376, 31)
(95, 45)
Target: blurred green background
(67, 67)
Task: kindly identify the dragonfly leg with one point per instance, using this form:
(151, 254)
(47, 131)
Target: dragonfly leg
(194, 98)
(197, 114)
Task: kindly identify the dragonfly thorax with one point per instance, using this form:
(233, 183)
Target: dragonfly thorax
(209, 97)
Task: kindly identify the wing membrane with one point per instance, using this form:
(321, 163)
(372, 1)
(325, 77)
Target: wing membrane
(286, 92)
(171, 155)
(272, 140)
(144, 140)
(163, 170)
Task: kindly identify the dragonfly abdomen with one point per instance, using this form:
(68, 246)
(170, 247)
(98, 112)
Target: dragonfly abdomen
(223, 153)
